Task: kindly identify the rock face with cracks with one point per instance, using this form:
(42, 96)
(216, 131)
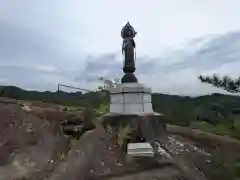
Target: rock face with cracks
(30, 146)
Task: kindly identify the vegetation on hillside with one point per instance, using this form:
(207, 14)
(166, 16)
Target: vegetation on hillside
(90, 99)
(216, 113)
(228, 125)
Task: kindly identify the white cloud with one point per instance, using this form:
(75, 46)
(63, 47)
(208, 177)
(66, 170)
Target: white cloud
(3, 80)
(47, 69)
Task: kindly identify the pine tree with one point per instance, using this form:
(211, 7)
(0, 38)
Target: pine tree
(226, 83)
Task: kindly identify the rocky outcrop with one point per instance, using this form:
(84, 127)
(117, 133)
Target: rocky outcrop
(30, 146)
(33, 147)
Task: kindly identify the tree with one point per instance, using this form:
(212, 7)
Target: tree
(226, 83)
(104, 92)
(108, 83)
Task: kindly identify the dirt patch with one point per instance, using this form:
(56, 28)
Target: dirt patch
(32, 146)
(29, 145)
(213, 143)
(166, 173)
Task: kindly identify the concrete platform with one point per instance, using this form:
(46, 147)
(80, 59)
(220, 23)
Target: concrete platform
(130, 98)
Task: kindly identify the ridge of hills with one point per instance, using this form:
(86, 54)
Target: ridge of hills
(179, 110)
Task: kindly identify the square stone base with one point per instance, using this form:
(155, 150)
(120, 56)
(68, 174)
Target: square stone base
(131, 98)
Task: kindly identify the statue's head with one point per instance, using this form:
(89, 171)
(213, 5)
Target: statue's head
(128, 31)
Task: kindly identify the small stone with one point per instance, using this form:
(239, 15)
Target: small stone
(91, 171)
(208, 161)
(102, 163)
(120, 165)
(108, 170)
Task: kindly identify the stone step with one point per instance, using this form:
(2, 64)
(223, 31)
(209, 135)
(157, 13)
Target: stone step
(140, 150)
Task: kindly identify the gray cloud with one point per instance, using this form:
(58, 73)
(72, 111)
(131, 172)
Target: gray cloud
(109, 66)
(43, 45)
(208, 53)
(19, 46)
(219, 54)
(30, 60)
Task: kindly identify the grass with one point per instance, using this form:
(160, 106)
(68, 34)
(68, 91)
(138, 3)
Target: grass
(124, 134)
(226, 171)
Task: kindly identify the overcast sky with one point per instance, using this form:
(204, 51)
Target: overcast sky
(46, 42)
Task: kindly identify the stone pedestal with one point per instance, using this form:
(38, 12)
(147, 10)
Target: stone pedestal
(148, 126)
(130, 99)
(131, 105)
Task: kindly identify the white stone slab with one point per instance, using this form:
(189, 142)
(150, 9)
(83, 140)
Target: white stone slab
(132, 108)
(142, 145)
(133, 98)
(148, 107)
(130, 87)
(133, 89)
(140, 150)
(117, 98)
(130, 98)
(116, 108)
(147, 98)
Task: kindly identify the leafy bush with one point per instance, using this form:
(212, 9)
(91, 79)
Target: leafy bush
(104, 108)
(204, 126)
(221, 129)
(236, 129)
(224, 170)
(123, 135)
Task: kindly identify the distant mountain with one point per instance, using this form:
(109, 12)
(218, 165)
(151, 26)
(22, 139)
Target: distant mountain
(211, 108)
(92, 99)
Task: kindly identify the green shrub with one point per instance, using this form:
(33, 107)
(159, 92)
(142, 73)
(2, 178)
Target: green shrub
(201, 125)
(236, 129)
(221, 129)
(124, 134)
(103, 108)
(224, 171)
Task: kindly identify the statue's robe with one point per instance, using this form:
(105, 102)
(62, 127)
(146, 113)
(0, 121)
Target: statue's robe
(129, 55)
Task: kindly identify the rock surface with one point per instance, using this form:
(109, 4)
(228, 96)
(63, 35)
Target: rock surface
(32, 147)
